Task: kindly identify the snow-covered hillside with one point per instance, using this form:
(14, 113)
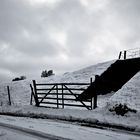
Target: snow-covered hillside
(20, 90)
(128, 94)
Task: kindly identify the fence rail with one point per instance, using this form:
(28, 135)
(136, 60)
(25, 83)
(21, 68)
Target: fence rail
(60, 95)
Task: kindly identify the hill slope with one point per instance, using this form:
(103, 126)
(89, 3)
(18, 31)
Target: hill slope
(129, 93)
(20, 90)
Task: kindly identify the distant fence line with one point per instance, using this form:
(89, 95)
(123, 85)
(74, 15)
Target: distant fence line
(131, 53)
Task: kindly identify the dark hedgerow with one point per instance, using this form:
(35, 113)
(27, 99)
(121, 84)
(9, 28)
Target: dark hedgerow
(46, 73)
(19, 78)
(120, 109)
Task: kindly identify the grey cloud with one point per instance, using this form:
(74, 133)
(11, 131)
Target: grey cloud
(79, 26)
(32, 34)
(126, 15)
(17, 17)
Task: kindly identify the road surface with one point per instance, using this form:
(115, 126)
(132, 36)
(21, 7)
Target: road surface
(40, 129)
(12, 132)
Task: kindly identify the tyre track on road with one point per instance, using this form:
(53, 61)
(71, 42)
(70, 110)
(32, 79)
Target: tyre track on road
(34, 133)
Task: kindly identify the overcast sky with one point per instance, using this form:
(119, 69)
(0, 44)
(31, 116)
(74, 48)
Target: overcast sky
(64, 35)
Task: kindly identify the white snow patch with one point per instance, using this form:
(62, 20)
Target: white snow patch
(129, 94)
(20, 90)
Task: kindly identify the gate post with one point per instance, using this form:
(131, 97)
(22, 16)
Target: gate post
(62, 97)
(95, 101)
(91, 104)
(90, 80)
(32, 95)
(31, 99)
(95, 97)
(35, 90)
(57, 95)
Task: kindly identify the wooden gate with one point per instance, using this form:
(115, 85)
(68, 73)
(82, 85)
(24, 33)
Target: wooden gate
(60, 95)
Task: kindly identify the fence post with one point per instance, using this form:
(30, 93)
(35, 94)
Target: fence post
(35, 90)
(9, 97)
(91, 80)
(95, 101)
(62, 97)
(91, 98)
(125, 54)
(95, 97)
(57, 96)
(120, 55)
(93, 106)
(32, 94)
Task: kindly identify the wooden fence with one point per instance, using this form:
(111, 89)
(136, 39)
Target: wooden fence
(131, 53)
(60, 95)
